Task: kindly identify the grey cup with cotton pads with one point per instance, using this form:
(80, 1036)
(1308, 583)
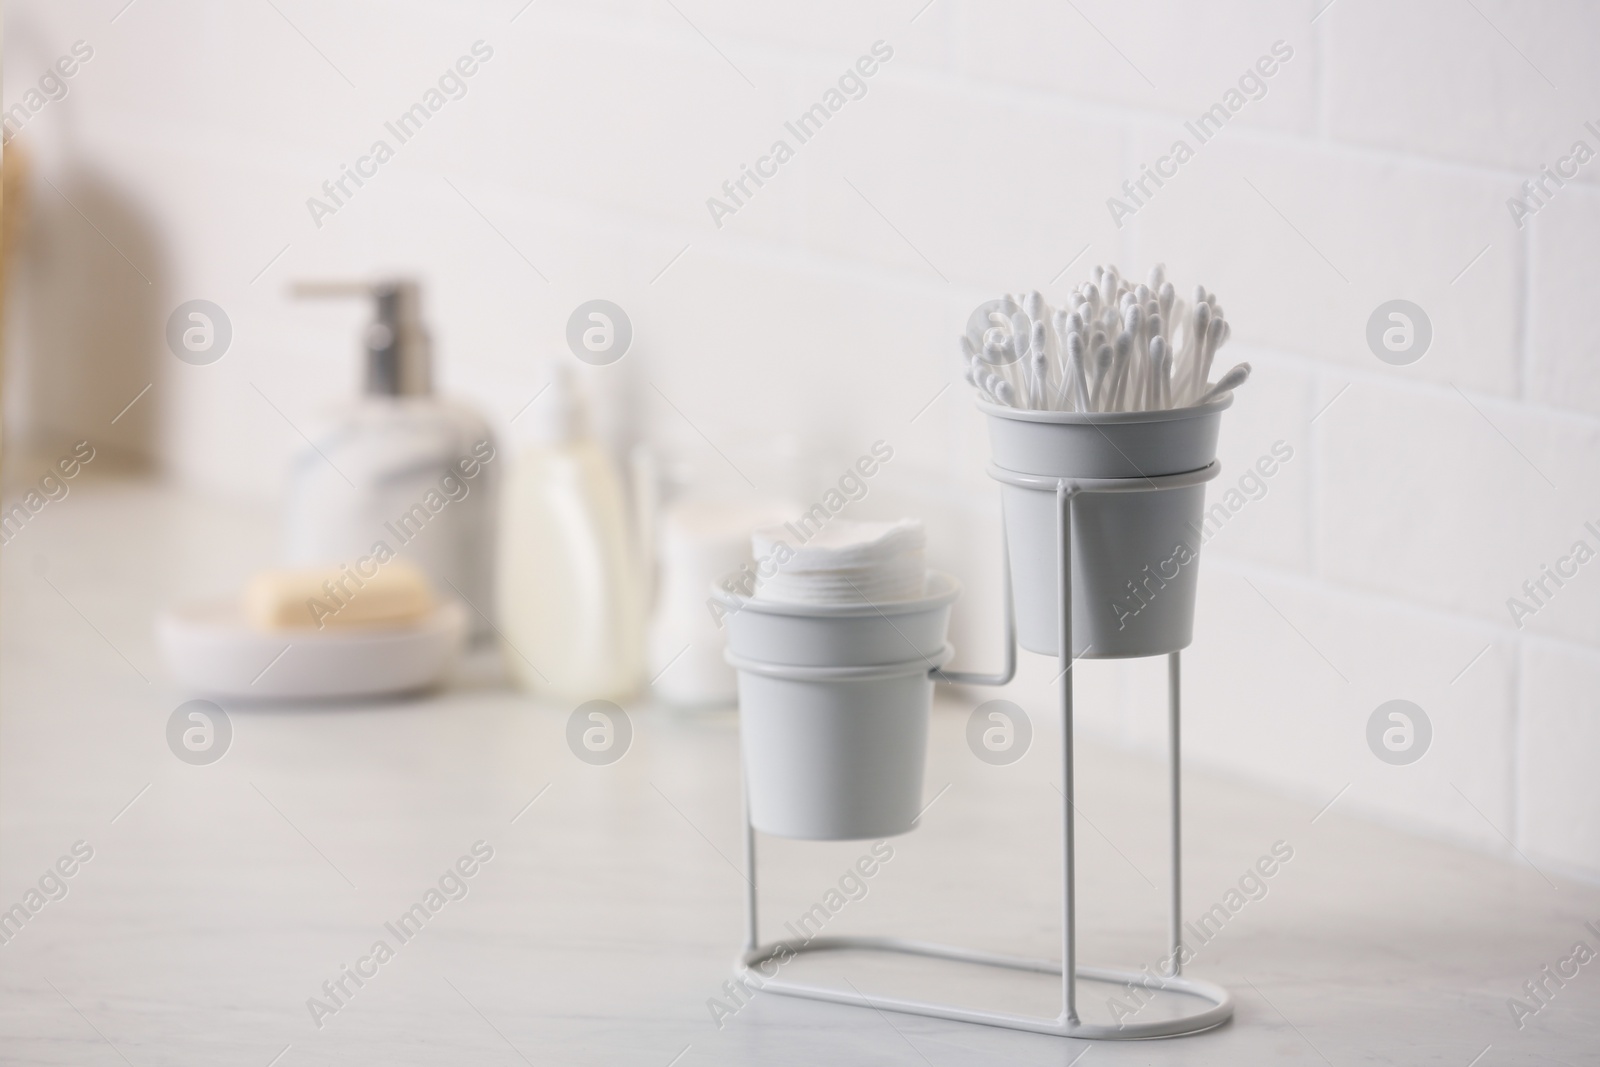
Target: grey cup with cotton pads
(834, 686)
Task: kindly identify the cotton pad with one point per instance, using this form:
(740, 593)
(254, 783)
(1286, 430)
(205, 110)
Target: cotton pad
(844, 563)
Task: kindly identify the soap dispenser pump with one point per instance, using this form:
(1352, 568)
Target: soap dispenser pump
(397, 472)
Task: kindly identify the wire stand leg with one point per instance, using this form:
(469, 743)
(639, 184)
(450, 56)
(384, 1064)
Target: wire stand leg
(1069, 957)
(1175, 913)
(750, 929)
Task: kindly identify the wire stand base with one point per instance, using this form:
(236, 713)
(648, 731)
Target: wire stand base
(1218, 1009)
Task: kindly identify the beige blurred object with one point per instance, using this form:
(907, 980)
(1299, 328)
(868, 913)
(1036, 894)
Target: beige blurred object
(87, 304)
(395, 594)
(13, 211)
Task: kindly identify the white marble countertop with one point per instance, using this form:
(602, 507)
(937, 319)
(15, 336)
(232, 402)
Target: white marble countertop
(220, 898)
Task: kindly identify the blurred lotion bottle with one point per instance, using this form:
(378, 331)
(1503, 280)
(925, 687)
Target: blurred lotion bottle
(398, 466)
(571, 593)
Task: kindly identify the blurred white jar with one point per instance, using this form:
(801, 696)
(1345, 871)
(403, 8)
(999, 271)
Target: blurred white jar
(700, 541)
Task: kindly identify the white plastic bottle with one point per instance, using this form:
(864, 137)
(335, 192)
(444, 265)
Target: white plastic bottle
(571, 599)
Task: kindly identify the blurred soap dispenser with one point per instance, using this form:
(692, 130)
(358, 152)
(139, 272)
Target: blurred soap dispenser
(571, 592)
(398, 471)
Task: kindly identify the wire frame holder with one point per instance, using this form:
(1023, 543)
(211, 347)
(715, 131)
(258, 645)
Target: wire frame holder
(1215, 1002)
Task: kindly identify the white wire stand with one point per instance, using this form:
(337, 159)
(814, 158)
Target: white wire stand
(1216, 1003)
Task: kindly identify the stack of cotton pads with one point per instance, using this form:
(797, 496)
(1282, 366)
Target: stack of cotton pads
(844, 563)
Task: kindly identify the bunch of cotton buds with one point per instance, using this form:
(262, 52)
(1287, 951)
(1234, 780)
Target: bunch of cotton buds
(1116, 346)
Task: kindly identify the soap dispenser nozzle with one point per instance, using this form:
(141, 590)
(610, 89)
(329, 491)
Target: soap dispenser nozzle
(398, 362)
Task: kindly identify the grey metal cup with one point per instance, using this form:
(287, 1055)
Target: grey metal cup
(833, 710)
(1135, 555)
(835, 754)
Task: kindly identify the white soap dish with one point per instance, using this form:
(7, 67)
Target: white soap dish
(212, 649)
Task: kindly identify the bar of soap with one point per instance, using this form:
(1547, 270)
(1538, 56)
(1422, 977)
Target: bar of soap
(320, 598)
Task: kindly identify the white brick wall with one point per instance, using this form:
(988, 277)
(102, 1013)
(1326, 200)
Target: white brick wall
(1377, 165)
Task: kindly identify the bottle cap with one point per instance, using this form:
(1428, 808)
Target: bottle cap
(398, 357)
(557, 415)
